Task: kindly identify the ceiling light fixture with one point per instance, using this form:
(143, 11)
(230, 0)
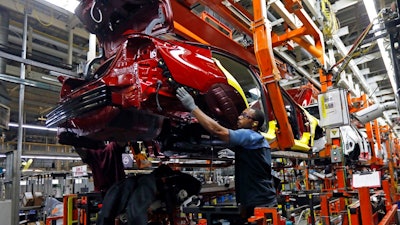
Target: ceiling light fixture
(71, 158)
(51, 157)
(35, 127)
(372, 15)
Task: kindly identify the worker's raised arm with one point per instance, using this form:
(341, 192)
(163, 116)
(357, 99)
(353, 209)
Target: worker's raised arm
(207, 122)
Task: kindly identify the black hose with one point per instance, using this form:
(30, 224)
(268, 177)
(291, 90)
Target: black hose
(159, 83)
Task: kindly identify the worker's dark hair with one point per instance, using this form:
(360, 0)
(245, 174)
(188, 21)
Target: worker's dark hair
(259, 116)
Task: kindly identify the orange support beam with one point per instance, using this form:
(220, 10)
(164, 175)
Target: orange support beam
(355, 217)
(365, 206)
(325, 209)
(390, 217)
(270, 73)
(370, 136)
(192, 27)
(386, 190)
(357, 103)
(388, 144)
(263, 216)
(70, 214)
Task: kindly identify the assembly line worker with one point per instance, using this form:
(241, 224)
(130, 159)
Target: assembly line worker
(105, 160)
(253, 179)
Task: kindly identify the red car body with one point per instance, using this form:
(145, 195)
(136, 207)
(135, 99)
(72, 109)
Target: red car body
(131, 96)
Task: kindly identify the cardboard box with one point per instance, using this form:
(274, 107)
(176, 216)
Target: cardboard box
(27, 199)
(38, 199)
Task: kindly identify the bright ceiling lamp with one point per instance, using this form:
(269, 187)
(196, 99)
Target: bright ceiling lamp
(49, 157)
(34, 127)
(372, 15)
(69, 5)
(72, 158)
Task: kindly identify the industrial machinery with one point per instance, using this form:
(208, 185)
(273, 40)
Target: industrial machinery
(131, 95)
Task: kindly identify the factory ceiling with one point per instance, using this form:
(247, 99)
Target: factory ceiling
(57, 44)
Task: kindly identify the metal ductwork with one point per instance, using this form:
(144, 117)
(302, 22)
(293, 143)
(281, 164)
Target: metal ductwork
(372, 112)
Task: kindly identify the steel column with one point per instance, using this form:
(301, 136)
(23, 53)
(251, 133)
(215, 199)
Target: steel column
(18, 152)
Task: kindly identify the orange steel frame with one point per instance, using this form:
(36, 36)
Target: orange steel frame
(270, 73)
(364, 208)
(391, 152)
(69, 211)
(266, 216)
(193, 27)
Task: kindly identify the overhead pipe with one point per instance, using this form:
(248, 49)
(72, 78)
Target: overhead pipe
(32, 83)
(353, 66)
(300, 70)
(374, 111)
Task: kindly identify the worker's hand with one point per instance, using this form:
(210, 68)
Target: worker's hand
(186, 99)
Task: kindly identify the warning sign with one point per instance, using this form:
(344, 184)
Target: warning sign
(334, 133)
(79, 171)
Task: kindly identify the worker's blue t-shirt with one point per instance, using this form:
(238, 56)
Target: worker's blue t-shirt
(247, 138)
(253, 178)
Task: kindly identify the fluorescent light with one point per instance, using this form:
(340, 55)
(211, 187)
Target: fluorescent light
(35, 127)
(372, 15)
(50, 78)
(50, 157)
(72, 158)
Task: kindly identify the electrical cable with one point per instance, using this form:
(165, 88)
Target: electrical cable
(345, 60)
(372, 93)
(331, 25)
(159, 83)
(98, 10)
